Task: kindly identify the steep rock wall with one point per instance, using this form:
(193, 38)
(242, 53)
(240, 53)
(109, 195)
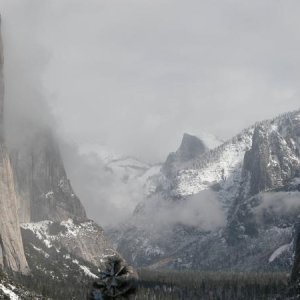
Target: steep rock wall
(11, 246)
(44, 190)
(12, 255)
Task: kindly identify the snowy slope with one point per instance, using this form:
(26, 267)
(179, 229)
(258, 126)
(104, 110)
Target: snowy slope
(261, 161)
(222, 166)
(9, 289)
(83, 240)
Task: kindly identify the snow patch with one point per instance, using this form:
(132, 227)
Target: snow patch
(278, 252)
(41, 251)
(87, 271)
(9, 292)
(49, 194)
(40, 230)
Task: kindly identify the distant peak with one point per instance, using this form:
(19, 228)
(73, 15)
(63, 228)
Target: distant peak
(191, 140)
(189, 136)
(191, 146)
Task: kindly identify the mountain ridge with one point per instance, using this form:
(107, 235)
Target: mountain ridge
(227, 171)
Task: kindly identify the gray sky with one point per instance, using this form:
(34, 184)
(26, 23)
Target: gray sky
(136, 74)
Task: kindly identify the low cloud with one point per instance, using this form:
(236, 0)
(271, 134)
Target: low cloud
(136, 75)
(111, 200)
(278, 204)
(202, 211)
(25, 61)
(107, 197)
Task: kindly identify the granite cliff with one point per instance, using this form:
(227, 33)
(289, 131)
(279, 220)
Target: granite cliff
(35, 193)
(12, 255)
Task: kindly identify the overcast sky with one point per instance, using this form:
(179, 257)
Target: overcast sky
(135, 74)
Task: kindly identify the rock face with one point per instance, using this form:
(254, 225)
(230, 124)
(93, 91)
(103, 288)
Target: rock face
(46, 197)
(34, 187)
(191, 147)
(255, 178)
(1, 89)
(12, 255)
(36, 193)
(274, 157)
(42, 184)
(85, 241)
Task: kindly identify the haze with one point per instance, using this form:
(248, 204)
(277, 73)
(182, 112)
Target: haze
(132, 76)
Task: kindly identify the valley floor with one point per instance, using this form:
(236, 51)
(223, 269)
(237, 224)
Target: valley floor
(175, 285)
(164, 285)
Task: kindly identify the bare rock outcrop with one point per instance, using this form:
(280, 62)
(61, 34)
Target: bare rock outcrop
(274, 157)
(190, 148)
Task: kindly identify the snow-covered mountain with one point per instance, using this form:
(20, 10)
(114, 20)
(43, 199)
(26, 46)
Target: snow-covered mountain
(131, 170)
(126, 169)
(249, 186)
(114, 184)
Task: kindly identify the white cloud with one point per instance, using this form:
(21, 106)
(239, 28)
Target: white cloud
(278, 204)
(202, 211)
(137, 74)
